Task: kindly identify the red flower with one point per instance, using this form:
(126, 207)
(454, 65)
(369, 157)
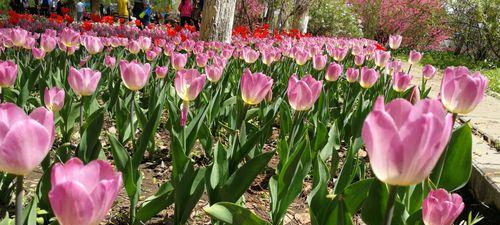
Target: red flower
(150, 26)
(96, 18)
(138, 23)
(380, 47)
(171, 32)
(183, 37)
(64, 10)
(108, 19)
(122, 21)
(68, 18)
(87, 25)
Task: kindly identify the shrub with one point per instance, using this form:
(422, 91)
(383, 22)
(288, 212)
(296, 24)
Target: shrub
(333, 18)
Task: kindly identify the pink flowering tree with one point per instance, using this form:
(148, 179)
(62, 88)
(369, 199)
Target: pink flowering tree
(249, 12)
(422, 23)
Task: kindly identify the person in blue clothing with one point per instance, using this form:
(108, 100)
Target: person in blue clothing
(145, 16)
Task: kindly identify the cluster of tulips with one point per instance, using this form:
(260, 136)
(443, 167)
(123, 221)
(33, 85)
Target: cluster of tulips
(325, 96)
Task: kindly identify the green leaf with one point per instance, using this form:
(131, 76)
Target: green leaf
(243, 177)
(153, 205)
(120, 155)
(415, 218)
(89, 147)
(147, 133)
(356, 193)
(187, 193)
(458, 160)
(346, 174)
(231, 213)
(29, 213)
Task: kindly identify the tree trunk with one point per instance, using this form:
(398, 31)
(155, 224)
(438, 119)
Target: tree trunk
(270, 13)
(217, 21)
(301, 10)
(95, 7)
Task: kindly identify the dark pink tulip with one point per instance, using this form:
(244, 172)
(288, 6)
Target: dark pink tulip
(415, 57)
(462, 91)
(441, 208)
(333, 72)
(395, 41)
(415, 95)
(189, 83)
(351, 75)
(368, 77)
(8, 73)
(428, 71)
(151, 55)
(404, 141)
(401, 81)
(303, 93)
(19, 155)
(37, 53)
(54, 99)
(161, 71)
(254, 87)
(319, 62)
(134, 75)
(84, 81)
(83, 194)
(109, 61)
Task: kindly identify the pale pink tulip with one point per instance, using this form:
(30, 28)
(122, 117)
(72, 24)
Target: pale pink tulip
(351, 75)
(69, 38)
(8, 73)
(189, 83)
(461, 91)
(201, 60)
(368, 77)
(333, 72)
(92, 44)
(37, 53)
(303, 93)
(133, 47)
(54, 99)
(17, 36)
(161, 71)
(84, 81)
(178, 60)
(319, 62)
(301, 57)
(134, 75)
(381, 58)
(415, 57)
(395, 41)
(441, 207)
(250, 55)
(359, 60)
(109, 61)
(48, 43)
(401, 81)
(254, 87)
(24, 140)
(214, 73)
(428, 71)
(339, 54)
(404, 141)
(83, 194)
(144, 43)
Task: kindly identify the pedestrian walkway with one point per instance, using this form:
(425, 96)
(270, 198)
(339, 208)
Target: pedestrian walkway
(485, 120)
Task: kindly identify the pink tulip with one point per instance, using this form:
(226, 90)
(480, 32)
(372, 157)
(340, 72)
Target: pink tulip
(17, 36)
(37, 53)
(301, 57)
(333, 72)
(84, 81)
(351, 75)
(428, 71)
(254, 87)
(178, 60)
(151, 55)
(92, 44)
(394, 67)
(462, 91)
(381, 58)
(109, 61)
(54, 99)
(357, 50)
(201, 60)
(401, 81)
(48, 43)
(415, 57)
(319, 62)
(414, 95)
(83, 194)
(189, 83)
(24, 140)
(368, 77)
(30, 43)
(161, 71)
(303, 93)
(359, 60)
(441, 207)
(69, 38)
(267, 57)
(250, 55)
(133, 47)
(214, 73)
(8, 73)
(134, 75)
(144, 43)
(339, 54)
(395, 41)
(405, 141)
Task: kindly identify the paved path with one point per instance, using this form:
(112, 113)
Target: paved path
(485, 120)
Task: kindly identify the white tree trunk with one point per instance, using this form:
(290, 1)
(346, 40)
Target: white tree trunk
(217, 21)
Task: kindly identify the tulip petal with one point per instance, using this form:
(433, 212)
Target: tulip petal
(71, 204)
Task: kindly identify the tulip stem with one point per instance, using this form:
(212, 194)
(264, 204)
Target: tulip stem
(19, 199)
(389, 211)
(1, 95)
(132, 128)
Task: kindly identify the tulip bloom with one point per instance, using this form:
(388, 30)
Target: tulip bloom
(54, 99)
(214, 73)
(250, 55)
(144, 43)
(395, 41)
(151, 55)
(8, 73)
(441, 208)
(109, 61)
(161, 71)
(319, 62)
(201, 59)
(134, 75)
(37, 53)
(368, 77)
(92, 44)
(462, 91)
(83, 194)
(415, 57)
(381, 58)
(303, 93)
(48, 43)
(17, 36)
(69, 38)
(428, 72)
(351, 75)
(404, 141)
(178, 60)
(189, 83)
(133, 47)
(339, 54)
(84, 81)
(333, 71)
(24, 140)
(254, 87)
(401, 81)
(359, 60)
(301, 57)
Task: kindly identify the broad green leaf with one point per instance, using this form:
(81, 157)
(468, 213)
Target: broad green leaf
(355, 194)
(120, 155)
(89, 147)
(233, 214)
(155, 204)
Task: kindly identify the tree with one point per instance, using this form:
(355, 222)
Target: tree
(299, 15)
(333, 18)
(95, 7)
(217, 21)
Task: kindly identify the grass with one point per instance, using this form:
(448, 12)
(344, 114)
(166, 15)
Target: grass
(494, 79)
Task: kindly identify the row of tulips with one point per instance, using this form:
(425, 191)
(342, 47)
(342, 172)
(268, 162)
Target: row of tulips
(326, 95)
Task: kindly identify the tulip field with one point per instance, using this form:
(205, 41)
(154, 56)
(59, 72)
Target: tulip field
(88, 105)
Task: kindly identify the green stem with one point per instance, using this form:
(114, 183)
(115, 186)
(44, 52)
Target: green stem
(1, 95)
(132, 128)
(19, 199)
(389, 211)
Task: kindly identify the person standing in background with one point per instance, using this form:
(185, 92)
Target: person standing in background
(197, 14)
(123, 9)
(186, 10)
(59, 8)
(80, 7)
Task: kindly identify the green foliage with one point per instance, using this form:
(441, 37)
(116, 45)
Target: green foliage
(494, 79)
(333, 18)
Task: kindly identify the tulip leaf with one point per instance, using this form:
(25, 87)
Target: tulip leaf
(155, 204)
(231, 213)
(457, 160)
(147, 134)
(346, 174)
(119, 153)
(415, 218)
(374, 208)
(355, 194)
(29, 213)
(7, 220)
(89, 147)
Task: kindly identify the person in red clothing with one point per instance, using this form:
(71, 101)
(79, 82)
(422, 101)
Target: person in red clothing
(186, 10)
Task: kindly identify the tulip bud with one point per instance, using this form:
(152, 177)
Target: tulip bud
(134, 75)
(54, 99)
(254, 87)
(303, 93)
(415, 57)
(395, 41)
(161, 72)
(414, 95)
(428, 72)
(441, 207)
(84, 81)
